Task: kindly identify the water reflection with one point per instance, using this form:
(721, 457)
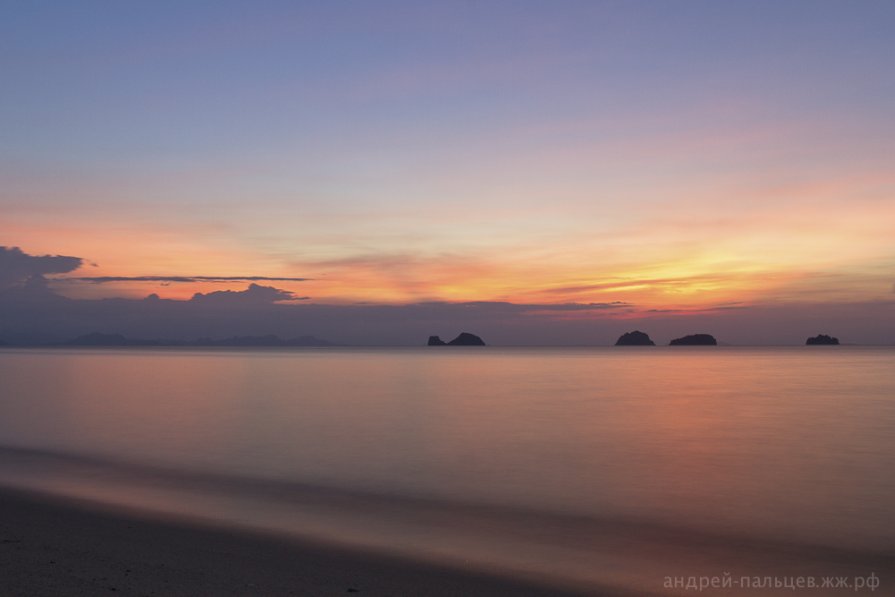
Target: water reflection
(782, 442)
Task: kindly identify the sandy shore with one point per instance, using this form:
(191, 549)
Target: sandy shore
(53, 547)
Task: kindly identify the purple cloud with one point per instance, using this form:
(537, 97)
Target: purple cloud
(255, 294)
(17, 267)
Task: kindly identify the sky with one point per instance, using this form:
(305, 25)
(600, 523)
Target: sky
(569, 169)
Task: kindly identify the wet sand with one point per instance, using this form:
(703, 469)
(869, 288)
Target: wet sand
(50, 546)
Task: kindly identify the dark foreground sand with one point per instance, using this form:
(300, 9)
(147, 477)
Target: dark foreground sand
(52, 547)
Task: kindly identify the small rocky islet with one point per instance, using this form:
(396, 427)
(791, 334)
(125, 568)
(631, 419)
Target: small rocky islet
(464, 339)
(635, 338)
(694, 340)
(822, 340)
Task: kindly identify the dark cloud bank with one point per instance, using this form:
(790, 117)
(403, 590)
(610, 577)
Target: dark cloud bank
(17, 266)
(31, 313)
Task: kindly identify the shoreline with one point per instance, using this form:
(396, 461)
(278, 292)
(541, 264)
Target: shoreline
(56, 546)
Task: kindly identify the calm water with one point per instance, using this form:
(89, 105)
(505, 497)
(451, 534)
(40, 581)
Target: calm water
(584, 466)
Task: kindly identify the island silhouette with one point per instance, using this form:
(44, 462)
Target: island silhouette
(464, 339)
(694, 340)
(112, 340)
(635, 338)
(822, 339)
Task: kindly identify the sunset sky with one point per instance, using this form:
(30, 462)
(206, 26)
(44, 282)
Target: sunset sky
(668, 156)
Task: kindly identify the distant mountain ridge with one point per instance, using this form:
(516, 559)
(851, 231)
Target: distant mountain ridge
(99, 339)
(270, 340)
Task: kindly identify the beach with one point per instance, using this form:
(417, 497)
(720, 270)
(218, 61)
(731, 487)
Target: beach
(53, 546)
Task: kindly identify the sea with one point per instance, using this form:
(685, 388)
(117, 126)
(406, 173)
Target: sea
(640, 468)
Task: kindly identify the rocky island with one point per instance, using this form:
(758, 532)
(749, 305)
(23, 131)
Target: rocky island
(821, 340)
(464, 339)
(635, 338)
(695, 340)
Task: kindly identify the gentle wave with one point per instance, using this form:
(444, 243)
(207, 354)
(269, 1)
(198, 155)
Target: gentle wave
(571, 550)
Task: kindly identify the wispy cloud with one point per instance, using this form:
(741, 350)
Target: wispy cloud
(531, 307)
(178, 279)
(636, 283)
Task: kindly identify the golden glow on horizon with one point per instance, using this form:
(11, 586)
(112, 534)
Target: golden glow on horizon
(671, 286)
(809, 241)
